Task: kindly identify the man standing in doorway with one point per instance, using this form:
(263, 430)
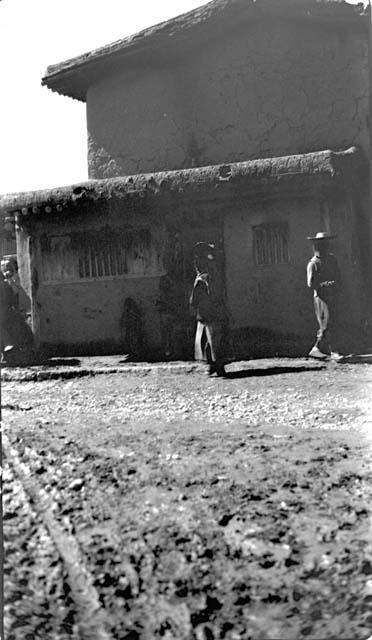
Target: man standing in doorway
(323, 277)
(208, 301)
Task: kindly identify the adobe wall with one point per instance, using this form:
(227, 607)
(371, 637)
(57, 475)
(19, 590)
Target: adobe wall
(270, 90)
(275, 297)
(86, 315)
(270, 305)
(77, 316)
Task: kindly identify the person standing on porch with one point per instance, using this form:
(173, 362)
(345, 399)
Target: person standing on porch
(208, 301)
(323, 277)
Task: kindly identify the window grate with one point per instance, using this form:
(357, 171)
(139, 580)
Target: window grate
(270, 244)
(100, 254)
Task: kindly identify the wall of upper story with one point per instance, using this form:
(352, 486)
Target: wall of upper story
(269, 89)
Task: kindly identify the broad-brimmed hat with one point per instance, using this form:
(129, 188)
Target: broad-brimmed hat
(322, 235)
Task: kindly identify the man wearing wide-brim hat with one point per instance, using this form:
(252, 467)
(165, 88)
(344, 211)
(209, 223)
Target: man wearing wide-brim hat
(323, 277)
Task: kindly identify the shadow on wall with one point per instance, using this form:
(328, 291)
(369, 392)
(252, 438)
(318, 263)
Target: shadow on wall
(245, 343)
(255, 342)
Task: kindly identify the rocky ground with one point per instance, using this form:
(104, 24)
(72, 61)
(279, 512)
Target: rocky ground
(155, 502)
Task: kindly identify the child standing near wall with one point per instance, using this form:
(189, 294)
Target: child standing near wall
(208, 301)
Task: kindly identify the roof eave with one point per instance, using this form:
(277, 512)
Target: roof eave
(73, 77)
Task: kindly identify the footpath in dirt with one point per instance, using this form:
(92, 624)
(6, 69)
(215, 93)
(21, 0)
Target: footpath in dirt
(191, 508)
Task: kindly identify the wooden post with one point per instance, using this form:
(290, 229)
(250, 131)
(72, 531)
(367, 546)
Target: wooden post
(28, 279)
(370, 139)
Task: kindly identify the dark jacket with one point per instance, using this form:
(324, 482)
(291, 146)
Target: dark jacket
(207, 299)
(323, 276)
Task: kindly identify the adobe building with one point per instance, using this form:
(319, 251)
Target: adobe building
(244, 123)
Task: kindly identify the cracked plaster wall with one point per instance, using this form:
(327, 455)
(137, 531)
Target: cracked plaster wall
(269, 90)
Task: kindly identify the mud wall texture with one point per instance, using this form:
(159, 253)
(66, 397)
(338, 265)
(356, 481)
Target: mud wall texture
(272, 88)
(91, 315)
(83, 281)
(273, 294)
(79, 304)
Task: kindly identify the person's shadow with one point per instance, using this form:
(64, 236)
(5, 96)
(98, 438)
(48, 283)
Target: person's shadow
(355, 358)
(270, 371)
(352, 358)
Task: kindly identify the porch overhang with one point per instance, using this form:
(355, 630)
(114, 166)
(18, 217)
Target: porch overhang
(296, 174)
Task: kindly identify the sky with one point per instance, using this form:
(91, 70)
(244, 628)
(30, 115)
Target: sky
(43, 139)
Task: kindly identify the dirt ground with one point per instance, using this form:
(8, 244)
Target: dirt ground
(163, 504)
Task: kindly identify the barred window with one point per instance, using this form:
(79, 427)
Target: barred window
(99, 254)
(270, 243)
